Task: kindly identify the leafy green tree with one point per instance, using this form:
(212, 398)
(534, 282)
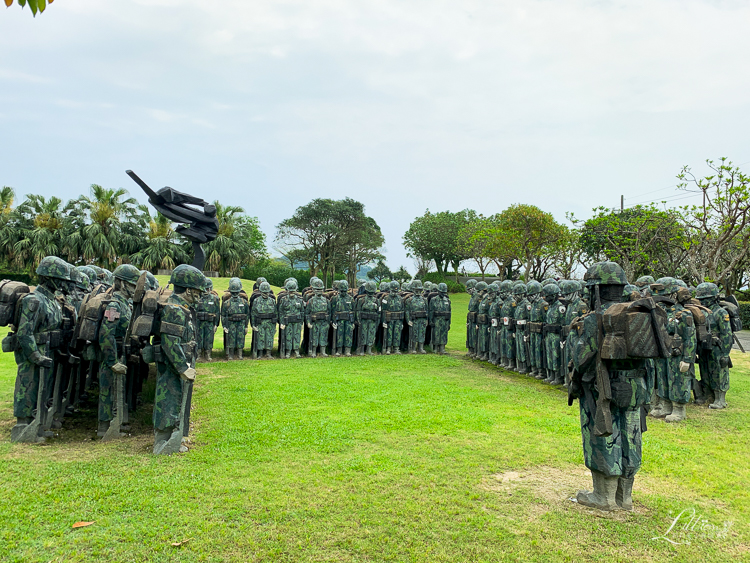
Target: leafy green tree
(475, 240)
(34, 5)
(40, 224)
(435, 236)
(163, 251)
(380, 272)
(239, 243)
(401, 275)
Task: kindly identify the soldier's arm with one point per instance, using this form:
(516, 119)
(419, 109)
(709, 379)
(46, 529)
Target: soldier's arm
(246, 309)
(585, 343)
(29, 318)
(171, 329)
(689, 339)
(724, 331)
(254, 313)
(108, 332)
(224, 313)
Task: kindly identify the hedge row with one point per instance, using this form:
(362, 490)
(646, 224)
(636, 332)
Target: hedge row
(745, 313)
(28, 279)
(453, 287)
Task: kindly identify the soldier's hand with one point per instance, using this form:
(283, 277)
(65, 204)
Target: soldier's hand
(226, 330)
(42, 361)
(309, 325)
(684, 366)
(188, 375)
(120, 368)
(724, 362)
(334, 325)
(385, 325)
(282, 327)
(410, 323)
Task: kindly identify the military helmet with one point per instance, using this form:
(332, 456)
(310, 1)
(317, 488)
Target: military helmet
(706, 290)
(644, 281)
(188, 276)
(317, 283)
(343, 285)
(548, 281)
(370, 287)
(492, 288)
(260, 280)
(427, 284)
(550, 289)
(361, 282)
(506, 286)
(442, 288)
(417, 285)
(605, 273)
(568, 286)
(481, 286)
(108, 275)
(53, 267)
(385, 286)
(209, 284)
(681, 283)
(664, 286)
(519, 288)
(533, 288)
(291, 284)
(154, 283)
(395, 285)
(235, 285)
(471, 284)
(265, 287)
(80, 279)
(128, 273)
(98, 271)
(88, 272)
(629, 290)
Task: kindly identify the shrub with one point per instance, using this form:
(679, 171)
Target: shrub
(276, 273)
(453, 287)
(24, 277)
(745, 313)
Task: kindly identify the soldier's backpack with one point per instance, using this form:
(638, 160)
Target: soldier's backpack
(732, 307)
(146, 305)
(635, 330)
(699, 312)
(10, 293)
(91, 313)
(227, 295)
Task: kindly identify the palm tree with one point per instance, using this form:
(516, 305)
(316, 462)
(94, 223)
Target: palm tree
(40, 227)
(7, 197)
(161, 251)
(225, 254)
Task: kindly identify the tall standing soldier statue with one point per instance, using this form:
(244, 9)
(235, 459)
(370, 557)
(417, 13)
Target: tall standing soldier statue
(714, 359)
(537, 314)
(318, 316)
(480, 291)
(208, 313)
(507, 348)
(393, 319)
(575, 307)
(470, 318)
(440, 318)
(367, 316)
(112, 332)
(291, 318)
(521, 316)
(612, 392)
(553, 324)
(235, 317)
(483, 322)
(495, 326)
(342, 317)
(37, 322)
(263, 319)
(177, 351)
(416, 318)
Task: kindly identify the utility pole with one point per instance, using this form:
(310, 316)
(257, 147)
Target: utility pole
(622, 203)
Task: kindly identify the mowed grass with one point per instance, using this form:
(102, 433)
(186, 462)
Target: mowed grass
(387, 458)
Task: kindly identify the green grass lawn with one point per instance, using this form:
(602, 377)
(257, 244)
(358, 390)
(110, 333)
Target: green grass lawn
(387, 458)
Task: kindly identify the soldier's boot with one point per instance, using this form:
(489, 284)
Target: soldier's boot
(441, 351)
(287, 355)
(719, 400)
(269, 356)
(656, 406)
(312, 351)
(168, 442)
(412, 347)
(296, 354)
(397, 350)
(550, 376)
(678, 413)
(360, 351)
(698, 394)
(421, 348)
(603, 495)
(208, 356)
(347, 351)
(710, 395)
(522, 368)
(368, 351)
(102, 428)
(666, 409)
(541, 374)
(239, 353)
(559, 379)
(230, 354)
(323, 352)
(387, 350)
(624, 494)
(21, 424)
(338, 352)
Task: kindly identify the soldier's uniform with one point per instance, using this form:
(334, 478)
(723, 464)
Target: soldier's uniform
(235, 317)
(471, 317)
(553, 324)
(291, 318)
(112, 332)
(416, 317)
(714, 363)
(537, 315)
(367, 315)
(342, 316)
(483, 323)
(318, 316)
(177, 350)
(507, 345)
(263, 319)
(440, 318)
(521, 316)
(392, 309)
(39, 317)
(495, 325)
(208, 314)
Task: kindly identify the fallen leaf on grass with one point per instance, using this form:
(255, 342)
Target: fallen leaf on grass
(82, 524)
(181, 543)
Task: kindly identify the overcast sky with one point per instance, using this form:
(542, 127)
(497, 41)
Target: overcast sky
(403, 105)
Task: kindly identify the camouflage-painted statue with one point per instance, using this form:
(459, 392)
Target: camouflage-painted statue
(472, 341)
(496, 323)
(392, 308)
(291, 319)
(79, 288)
(318, 315)
(342, 317)
(470, 321)
(714, 359)
(440, 318)
(673, 377)
(611, 430)
(177, 346)
(38, 319)
(489, 294)
(112, 332)
(208, 312)
(416, 319)
(553, 324)
(361, 286)
(507, 345)
(521, 316)
(263, 318)
(631, 293)
(537, 315)
(367, 316)
(235, 317)
(644, 285)
(575, 307)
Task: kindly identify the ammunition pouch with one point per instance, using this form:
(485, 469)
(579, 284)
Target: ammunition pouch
(265, 316)
(10, 343)
(471, 317)
(511, 324)
(143, 325)
(394, 316)
(622, 389)
(369, 316)
(205, 316)
(565, 332)
(552, 329)
(152, 354)
(423, 315)
(238, 317)
(483, 319)
(344, 316)
(171, 329)
(322, 316)
(441, 315)
(53, 338)
(291, 319)
(536, 328)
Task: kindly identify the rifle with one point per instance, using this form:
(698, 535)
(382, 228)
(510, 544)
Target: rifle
(31, 431)
(737, 340)
(50, 411)
(603, 416)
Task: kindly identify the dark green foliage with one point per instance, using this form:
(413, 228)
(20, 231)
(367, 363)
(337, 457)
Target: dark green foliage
(453, 287)
(745, 313)
(276, 273)
(24, 277)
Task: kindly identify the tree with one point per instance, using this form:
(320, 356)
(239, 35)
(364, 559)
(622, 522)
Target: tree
(162, 250)
(380, 272)
(39, 230)
(401, 275)
(718, 230)
(435, 236)
(34, 5)
(475, 240)
(240, 242)
(644, 240)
